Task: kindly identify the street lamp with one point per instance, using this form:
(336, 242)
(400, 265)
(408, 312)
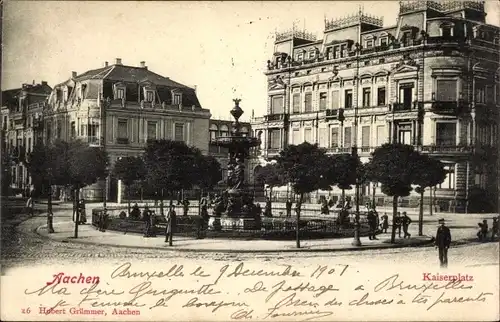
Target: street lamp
(356, 241)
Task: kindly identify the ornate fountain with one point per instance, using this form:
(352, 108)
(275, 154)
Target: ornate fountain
(235, 207)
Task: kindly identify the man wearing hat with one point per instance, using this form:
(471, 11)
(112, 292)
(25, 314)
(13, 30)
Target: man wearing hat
(443, 241)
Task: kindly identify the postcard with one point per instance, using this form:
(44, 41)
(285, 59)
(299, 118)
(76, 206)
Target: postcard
(252, 161)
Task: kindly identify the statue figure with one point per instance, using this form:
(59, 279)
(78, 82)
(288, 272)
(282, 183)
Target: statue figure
(218, 206)
(239, 175)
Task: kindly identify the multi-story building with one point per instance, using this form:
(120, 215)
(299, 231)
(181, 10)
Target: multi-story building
(21, 117)
(432, 81)
(221, 128)
(132, 105)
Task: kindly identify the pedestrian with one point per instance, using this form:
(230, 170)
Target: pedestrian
(385, 223)
(171, 222)
(83, 216)
(494, 228)
(204, 215)
(298, 207)
(30, 206)
(397, 223)
(136, 212)
(185, 206)
(372, 222)
(152, 224)
(288, 206)
(406, 221)
(324, 207)
(146, 216)
(483, 231)
(268, 208)
(258, 209)
(442, 242)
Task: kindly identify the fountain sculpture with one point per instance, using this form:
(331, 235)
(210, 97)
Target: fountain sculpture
(235, 207)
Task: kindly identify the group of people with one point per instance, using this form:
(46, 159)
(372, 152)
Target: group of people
(482, 234)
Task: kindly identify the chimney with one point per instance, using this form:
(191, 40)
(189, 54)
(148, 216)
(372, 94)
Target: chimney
(195, 88)
(143, 65)
(118, 61)
(73, 74)
(105, 64)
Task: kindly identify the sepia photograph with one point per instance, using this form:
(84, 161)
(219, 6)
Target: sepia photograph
(253, 160)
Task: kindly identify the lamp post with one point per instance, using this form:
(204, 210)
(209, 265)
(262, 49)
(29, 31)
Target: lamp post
(356, 241)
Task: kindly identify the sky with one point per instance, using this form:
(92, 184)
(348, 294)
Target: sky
(221, 47)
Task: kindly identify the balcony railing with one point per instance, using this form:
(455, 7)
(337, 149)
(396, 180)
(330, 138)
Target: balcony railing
(406, 106)
(447, 148)
(449, 107)
(122, 140)
(276, 117)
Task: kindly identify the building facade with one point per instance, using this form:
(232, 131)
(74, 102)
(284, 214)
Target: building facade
(119, 108)
(221, 128)
(21, 117)
(431, 81)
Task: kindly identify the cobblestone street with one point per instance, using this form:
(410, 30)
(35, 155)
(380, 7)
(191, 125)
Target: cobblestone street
(22, 246)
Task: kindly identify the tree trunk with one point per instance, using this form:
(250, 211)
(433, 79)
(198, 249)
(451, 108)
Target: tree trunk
(297, 227)
(128, 199)
(142, 195)
(374, 204)
(431, 202)
(50, 226)
(170, 237)
(271, 198)
(74, 205)
(161, 204)
(343, 199)
(77, 217)
(394, 211)
(421, 213)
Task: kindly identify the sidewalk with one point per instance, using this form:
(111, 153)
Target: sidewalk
(87, 234)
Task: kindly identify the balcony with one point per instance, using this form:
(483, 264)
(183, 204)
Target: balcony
(339, 150)
(402, 107)
(122, 141)
(276, 117)
(335, 114)
(449, 107)
(447, 149)
(446, 39)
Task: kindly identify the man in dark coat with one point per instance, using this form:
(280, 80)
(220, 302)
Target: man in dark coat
(146, 216)
(372, 222)
(288, 206)
(443, 241)
(494, 228)
(406, 221)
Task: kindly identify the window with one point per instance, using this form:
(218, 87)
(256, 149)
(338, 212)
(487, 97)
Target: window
(404, 133)
(224, 130)
(83, 131)
(296, 136)
(123, 129)
(449, 181)
(329, 53)
(29, 145)
(322, 101)
(73, 129)
(308, 102)
(308, 135)
(296, 103)
(480, 93)
(367, 62)
(369, 44)
(383, 41)
(92, 130)
(312, 54)
(323, 137)
(59, 129)
(489, 94)
(335, 99)
(179, 132)
(365, 136)
(406, 95)
(381, 96)
(152, 130)
(177, 99)
(446, 31)
(274, 139)
(213, 131)
(120, 93)
(347, 137)
(348, 98)
(14, 175)
(446, 90)
(336, 52)
(277, 105)
(381, 136)
(150, 96)
(406, 38)
(381, 61)
(367, 92)
(300, 57)
(334, 143)
(343, 51)
(446, 134)
(347, 65)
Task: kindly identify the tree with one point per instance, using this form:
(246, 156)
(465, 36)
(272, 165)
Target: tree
(272, 175)
(129, 170)
(428, 173)
(86, 166)
(210, 172)
(345, 171)
(394, 166)
(305, 166)
(49, 164)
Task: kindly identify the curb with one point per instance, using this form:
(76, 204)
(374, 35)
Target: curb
(232, 251)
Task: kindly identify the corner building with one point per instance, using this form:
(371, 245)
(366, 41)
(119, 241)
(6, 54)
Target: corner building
(119, 108)
(431, 81)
